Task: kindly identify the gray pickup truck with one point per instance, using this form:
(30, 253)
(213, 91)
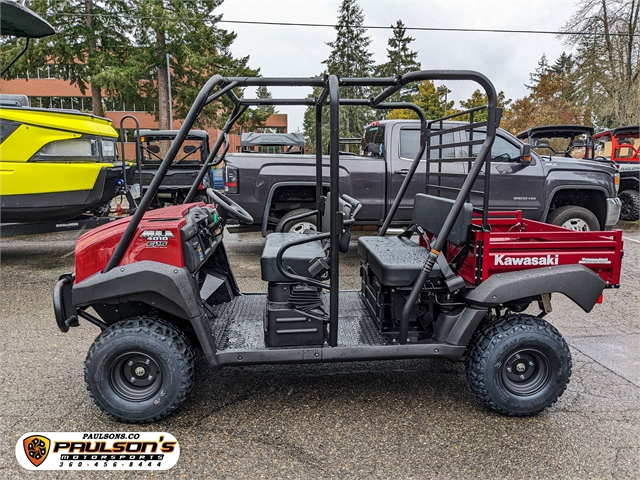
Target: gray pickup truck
(577, 194)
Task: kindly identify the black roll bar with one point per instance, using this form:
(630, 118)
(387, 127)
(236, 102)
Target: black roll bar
(441, 239)
(335, 224)
(208, 163)
(145, 201)
(330, 85)
(138, 161)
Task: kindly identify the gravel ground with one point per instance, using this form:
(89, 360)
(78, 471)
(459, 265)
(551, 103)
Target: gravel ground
(398, 419)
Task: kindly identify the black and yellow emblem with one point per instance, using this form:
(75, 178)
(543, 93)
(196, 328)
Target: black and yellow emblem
(36, 447)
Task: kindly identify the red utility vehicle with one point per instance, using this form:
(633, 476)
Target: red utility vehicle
(159, 279)
(622, 146)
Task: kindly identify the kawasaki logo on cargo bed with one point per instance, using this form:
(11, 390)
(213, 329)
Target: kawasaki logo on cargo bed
(507, 260)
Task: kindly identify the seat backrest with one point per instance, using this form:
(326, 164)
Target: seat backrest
(326, 221)
(431, 212)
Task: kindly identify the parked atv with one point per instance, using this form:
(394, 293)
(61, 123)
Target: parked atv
(459, 293)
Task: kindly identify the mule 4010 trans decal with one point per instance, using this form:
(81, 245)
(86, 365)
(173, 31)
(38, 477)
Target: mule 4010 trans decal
(157, 238)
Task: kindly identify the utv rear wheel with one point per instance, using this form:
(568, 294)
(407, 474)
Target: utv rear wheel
(518, 365)
(297, 226)
(630, 211)
(574, 218)
(140, 370)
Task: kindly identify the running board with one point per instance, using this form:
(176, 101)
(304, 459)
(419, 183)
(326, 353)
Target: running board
(335, 354)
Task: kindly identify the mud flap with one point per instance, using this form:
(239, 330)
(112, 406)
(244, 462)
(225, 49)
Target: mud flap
(62, 306)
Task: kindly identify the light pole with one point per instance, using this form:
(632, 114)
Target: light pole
(445, 90)
(169, 92)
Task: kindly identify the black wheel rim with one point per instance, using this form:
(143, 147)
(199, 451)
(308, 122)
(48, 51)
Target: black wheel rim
(135, 376)
(526, 372)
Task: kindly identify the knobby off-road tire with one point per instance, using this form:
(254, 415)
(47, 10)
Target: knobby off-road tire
(297, 226)
(630, 211)
(201, 197)
(140, 370)
(574, 218)
(518, 365)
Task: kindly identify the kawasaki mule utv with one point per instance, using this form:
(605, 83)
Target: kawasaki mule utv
(458, 293)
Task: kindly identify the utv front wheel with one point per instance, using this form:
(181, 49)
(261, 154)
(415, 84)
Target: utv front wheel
(518, 365)
(630, 211)
(140, 370)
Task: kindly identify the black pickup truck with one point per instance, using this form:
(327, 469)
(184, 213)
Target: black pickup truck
(577, 194)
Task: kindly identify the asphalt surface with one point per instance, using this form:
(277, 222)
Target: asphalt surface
(398, 419)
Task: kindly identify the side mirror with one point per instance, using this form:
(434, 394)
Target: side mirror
(525, 154)
(154, 148)
(189, 149)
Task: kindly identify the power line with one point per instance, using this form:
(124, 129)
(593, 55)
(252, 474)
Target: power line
(368, 27)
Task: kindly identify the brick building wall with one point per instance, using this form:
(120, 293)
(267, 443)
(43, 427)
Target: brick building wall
(53, 92)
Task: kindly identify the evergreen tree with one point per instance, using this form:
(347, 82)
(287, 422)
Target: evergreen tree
(400, 60)
(89, 39)
(430, 99)
(256, 117)
(349, 57)
(199, 49)
(553, 98)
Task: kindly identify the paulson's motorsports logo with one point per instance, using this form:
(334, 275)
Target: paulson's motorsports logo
(36, 448)
(97, 451)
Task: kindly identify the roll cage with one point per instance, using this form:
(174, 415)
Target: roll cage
(218, 87)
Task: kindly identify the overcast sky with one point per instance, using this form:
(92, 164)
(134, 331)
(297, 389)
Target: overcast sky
(507, 59)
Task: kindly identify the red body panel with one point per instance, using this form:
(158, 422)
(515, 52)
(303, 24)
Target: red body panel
(616, 146)
(515, 243)
(157, 239)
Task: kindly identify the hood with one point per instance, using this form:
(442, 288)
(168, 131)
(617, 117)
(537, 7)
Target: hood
(577, 164)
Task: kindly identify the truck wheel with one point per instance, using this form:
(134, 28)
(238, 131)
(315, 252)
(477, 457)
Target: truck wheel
(139, 370)
(630, 211)
(298, 226)
(518, 365)
(574, 218)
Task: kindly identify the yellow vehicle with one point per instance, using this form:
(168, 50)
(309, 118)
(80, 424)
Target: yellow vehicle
(55, 165)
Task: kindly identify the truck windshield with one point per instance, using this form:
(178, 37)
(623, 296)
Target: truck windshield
(373, 141)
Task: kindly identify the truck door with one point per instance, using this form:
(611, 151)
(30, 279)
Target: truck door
(514, 185)
(406, 143)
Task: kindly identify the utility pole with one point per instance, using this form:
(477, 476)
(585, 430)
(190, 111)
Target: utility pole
(169, 92)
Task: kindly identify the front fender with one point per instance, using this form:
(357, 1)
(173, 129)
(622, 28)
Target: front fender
(577, 282)
(165, 287)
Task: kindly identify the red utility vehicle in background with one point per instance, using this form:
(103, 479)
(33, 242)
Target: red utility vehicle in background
(622, 146)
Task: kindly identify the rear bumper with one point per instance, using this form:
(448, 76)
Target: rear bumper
(613, 212)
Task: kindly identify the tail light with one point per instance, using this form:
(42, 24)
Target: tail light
(616, 181)
(230, 179)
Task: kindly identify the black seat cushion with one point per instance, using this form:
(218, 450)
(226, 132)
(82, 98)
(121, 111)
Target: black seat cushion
(297, 257)
(396, 262)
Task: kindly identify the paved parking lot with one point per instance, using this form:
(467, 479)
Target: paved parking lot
(395, 419)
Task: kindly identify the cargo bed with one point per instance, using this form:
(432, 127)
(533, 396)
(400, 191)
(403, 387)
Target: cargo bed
(516, 243)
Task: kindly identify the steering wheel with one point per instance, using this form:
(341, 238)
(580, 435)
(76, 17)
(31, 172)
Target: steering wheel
(231, 207)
